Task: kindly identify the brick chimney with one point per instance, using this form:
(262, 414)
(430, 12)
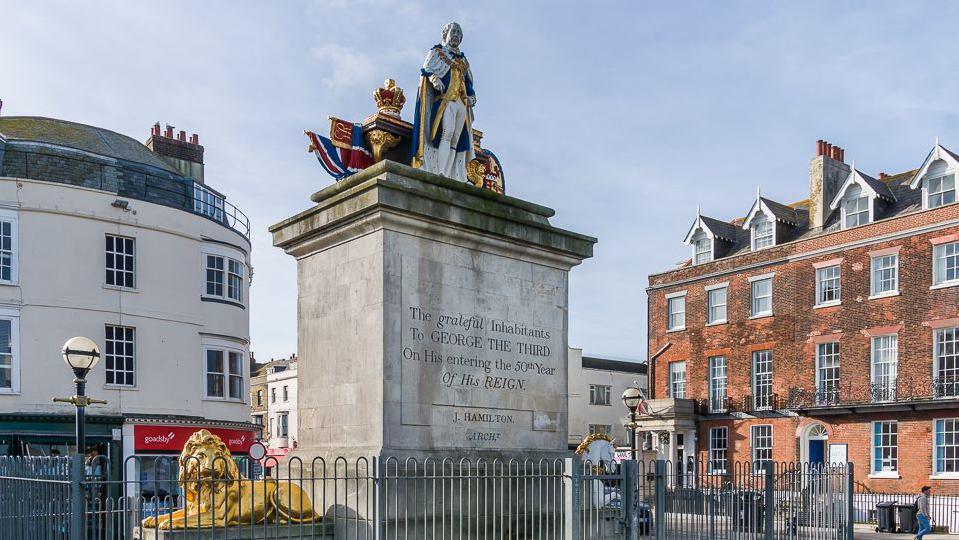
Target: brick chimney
(827, 172)
(185, 155)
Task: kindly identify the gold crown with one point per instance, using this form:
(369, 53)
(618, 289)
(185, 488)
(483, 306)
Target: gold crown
(389, 98)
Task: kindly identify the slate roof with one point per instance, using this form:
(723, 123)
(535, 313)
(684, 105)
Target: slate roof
(726, 231)
(907, 200)
(605, 364)
(80, 137)
(878, 186)
(781, 211)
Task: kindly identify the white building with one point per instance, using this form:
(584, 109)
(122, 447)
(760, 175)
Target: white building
(596, 386)
(124, 243)
(281, 414)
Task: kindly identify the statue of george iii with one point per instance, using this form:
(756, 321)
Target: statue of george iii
(442, 127)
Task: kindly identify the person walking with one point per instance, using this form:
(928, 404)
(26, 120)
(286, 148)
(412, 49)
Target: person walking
(922, 512)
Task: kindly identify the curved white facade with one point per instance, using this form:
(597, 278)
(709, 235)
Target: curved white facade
(61, 290)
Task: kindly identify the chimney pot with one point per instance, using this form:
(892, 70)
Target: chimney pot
(168, 132)
(181, 136)
(835, 153)
(819, 147)
(883, 176)
(828, 149)
(842, 155)
(194, 139)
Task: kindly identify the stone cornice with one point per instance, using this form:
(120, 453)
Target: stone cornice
(397, 197)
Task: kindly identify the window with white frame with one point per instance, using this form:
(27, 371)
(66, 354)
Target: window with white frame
(273, 395)
(702, 250)
(9, 352)
(120, 261)
(885, 274)
(676, 308)
(259, 398)
(224, 373)
(8, 247)
(234, 284)
(283, 424)
(761, 442)
(677, 380)
(120, 355)
(945, 263)
(286, 393)
(716, 305)
(762, 233)
(827, 372)
(885, 446)
(941, 190)
(718, 449)
(761, 297)
(762, 380)
(828, 286)
(599, 394)
(224, 278)
(946, 350)
(214, 275)
(717, 383)
(946, 442)
(207, 203)
(855, 208)
(884, 359)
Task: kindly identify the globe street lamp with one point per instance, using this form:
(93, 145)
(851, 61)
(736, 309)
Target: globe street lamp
(81, 355)
(632, 397)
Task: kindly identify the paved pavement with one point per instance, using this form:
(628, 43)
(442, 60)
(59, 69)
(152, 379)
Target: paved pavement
(868, 532)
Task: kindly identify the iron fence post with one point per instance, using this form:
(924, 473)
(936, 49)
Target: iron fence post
(660, 491)
(77, 531)
(769, 504)
(573, 499)
(379, 499)
(630, 501)
(850, 498)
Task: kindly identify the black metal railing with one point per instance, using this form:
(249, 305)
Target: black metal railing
(752, 404)
(889, 391)
(133, 181)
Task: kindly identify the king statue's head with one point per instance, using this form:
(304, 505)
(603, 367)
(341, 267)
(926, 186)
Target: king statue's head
(452, 35)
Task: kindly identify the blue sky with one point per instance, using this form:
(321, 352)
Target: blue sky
(621, 116)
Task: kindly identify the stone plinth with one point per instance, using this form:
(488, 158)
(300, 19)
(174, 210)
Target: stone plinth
(432, 319)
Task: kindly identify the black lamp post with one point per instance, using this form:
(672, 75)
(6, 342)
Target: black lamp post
(81, 355)
(632, 397)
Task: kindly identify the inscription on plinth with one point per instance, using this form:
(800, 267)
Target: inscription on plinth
(491, 376)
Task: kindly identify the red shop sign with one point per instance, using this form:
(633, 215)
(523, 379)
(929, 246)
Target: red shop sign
(172, 438)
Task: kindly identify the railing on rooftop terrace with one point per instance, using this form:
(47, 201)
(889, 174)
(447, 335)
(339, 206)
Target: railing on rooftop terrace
(209, 204)
(126, 180)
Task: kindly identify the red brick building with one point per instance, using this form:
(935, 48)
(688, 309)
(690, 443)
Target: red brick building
(823, 330)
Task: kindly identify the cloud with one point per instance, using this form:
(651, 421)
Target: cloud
(346, 68)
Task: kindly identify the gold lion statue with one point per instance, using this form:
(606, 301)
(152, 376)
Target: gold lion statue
(217, 495)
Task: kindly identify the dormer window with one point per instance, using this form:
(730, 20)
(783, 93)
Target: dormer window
(762, 233)
(769, 222)
(855, 208)
(941, 190)
(703, 250)
(859, 199)
(709, 238)
(937, 177)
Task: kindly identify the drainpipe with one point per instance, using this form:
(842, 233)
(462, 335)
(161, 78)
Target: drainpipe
(651, 367)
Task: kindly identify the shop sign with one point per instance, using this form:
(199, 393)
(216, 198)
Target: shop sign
(153, 438)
